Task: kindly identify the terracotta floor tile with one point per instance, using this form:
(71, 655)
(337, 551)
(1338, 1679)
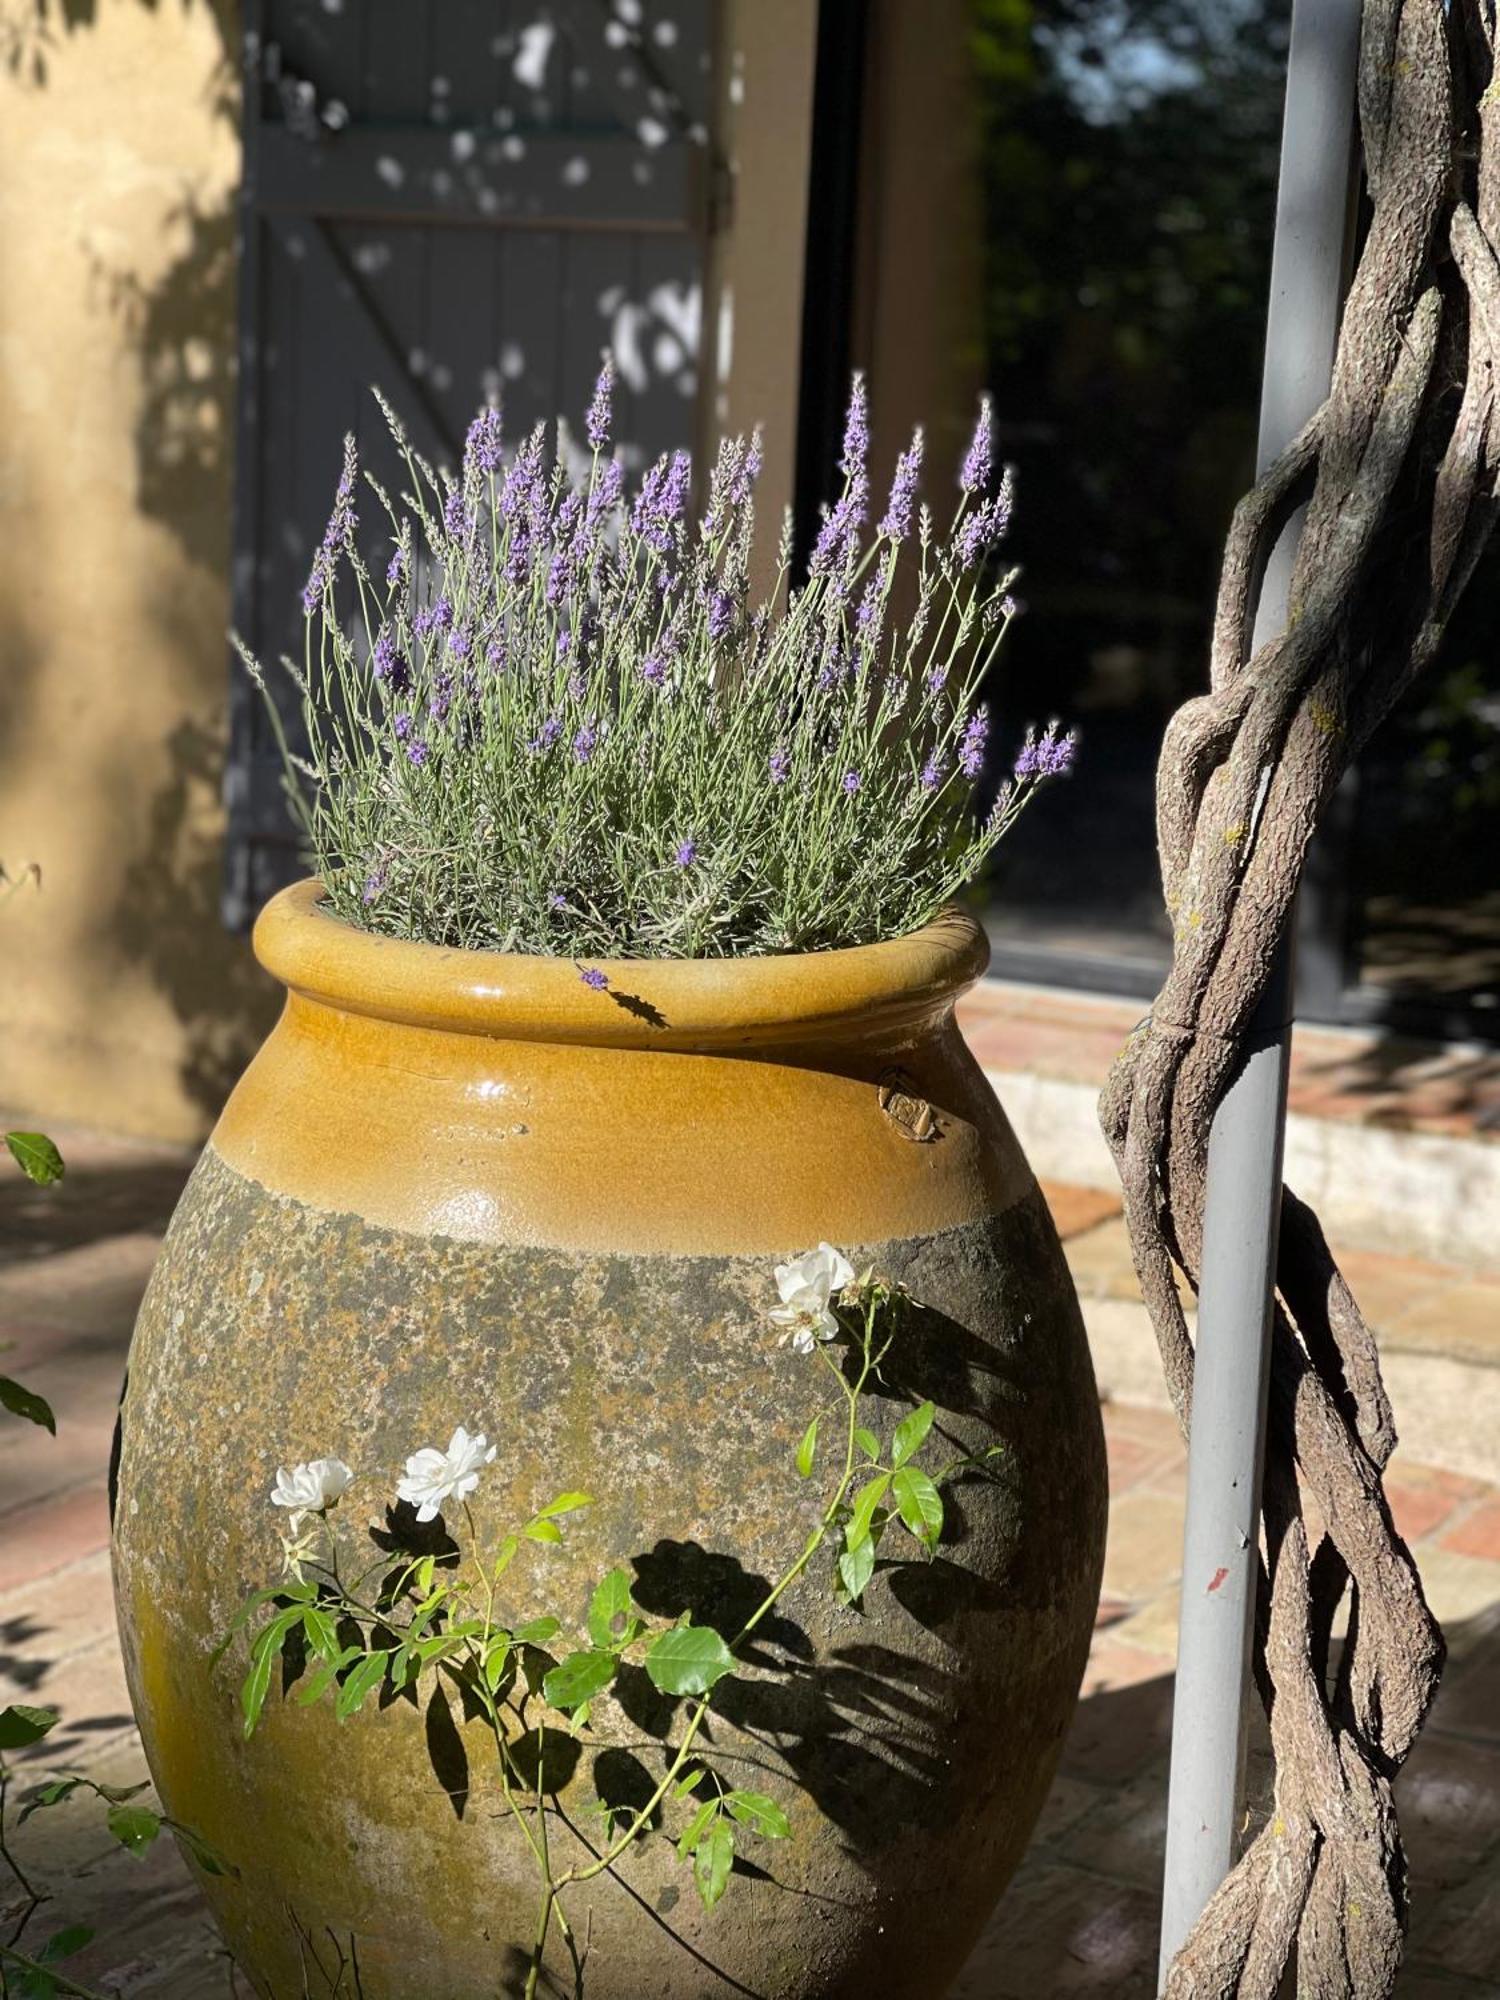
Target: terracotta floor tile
(1144, 1550)
(1468, 1702)
(1462, 1319)
(1476, 1532)
(1130, 1459)
(1448, 1796)
(35, 1541)
(1418, 1509)
(1076, 1209)
(1063, 1930)
(1387, 1287)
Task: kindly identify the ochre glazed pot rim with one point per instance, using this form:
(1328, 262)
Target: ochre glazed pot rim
(653, 1003)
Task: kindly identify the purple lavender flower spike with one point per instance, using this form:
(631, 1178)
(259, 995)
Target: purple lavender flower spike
(375, 882)
(395, 569)
(456, 517)
(971, 749)
(898, 511)
(686, 852)
(402, 725)
(978, 533)
(601, 409)
(556, 900)
(482, 445)
(654, 670)
(442, 698)
(1048, 756)
(852, 782)
(547, 735)
(585, 743)
(662, 501)
(495, 655)
(605, 496)
(460, 642)
(780, 766)
(932, 771)
(1005, 501)
(721, 609)
(593, 978)
(342, 523)
(979, 460)
(416, 751)
(856, 431)
(749, 470)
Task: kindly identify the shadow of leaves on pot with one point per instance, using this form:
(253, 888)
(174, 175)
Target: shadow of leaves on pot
(445, 1750)
(849, 1730)
(718, 1590)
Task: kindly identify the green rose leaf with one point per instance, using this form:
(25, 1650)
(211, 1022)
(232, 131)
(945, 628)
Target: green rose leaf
(20, 1725)
(565, 1503)
(688, 1660)
(911, 1434)
(537, 1633)
(868, 1443)
(263, 1657)
(870, 1496)
(53, 1794)
(578, 1679)
(361, 1684)
(713, 1861)
(919, 1504)
(497, 1655)
(36, 1156)
(696, 1827)
(760, 1814)
(64, 1943)
(24, 1402)
(207, 1858)
(135, 1827)
(609, 1610)
(856, 1567)
(541, 1530)
(807, 1450)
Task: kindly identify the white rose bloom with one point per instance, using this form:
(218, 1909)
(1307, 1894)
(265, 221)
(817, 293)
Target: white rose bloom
(434, 1476)
(312, 1487)
(808, 1286)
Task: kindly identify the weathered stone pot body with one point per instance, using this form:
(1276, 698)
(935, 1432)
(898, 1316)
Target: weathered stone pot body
(462, 1187)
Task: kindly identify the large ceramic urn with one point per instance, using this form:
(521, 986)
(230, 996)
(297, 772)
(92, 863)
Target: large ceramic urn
(464, 1187)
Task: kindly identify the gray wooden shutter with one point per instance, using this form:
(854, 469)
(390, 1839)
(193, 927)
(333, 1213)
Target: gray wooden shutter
(445, 198)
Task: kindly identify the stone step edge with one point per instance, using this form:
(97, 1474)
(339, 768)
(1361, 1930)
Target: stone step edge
(1446, 1406)
(1414, 1194)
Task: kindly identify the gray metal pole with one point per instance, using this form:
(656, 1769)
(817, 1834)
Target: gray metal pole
(1205, 1804)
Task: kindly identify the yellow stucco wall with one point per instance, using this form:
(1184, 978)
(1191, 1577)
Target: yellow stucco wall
(122, 1002)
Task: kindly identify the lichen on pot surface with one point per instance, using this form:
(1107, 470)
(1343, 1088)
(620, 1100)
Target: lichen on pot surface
(460, 1186)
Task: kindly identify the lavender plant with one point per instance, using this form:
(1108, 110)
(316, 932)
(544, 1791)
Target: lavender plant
(551, 720)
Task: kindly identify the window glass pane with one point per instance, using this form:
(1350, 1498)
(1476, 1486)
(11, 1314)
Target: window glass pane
(1130, 151)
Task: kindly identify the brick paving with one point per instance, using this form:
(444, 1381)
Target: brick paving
(1376, 1079)
(1081, 1916)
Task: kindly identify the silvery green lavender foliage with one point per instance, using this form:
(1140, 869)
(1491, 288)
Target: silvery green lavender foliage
(560, 726)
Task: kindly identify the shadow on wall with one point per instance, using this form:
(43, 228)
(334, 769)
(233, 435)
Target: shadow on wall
(179, 332)
(168, 920)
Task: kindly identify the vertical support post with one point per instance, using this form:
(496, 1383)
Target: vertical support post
(1205, 1806)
